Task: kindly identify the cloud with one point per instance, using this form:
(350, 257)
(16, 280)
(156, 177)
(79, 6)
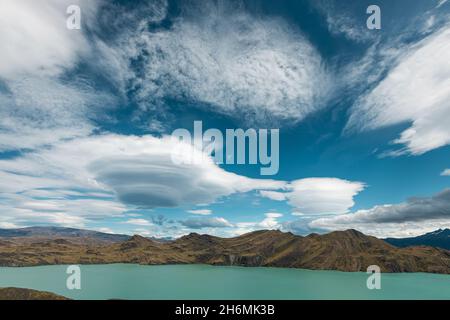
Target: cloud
(446, 172)
(203, 212)
(417, 91)
(413, 216)
(226, 60)
(27, 209)
(441, 3)
(273, 195)
(299, 226)
(116, 173)
(42, 99)
(106, 230)
(210, 222)
(38, 111)
(319, 195)
(270, 222)
(145, 174)
(39, 28)
(142, 232)
(138, 222)
(340, 22)
(8, 225)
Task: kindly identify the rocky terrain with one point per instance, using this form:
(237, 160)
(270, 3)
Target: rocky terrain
(340, 250)
(27, 294)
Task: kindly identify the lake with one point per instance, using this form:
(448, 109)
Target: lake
(130, 281)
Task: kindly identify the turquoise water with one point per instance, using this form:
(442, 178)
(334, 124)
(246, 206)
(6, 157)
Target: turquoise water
(128, 281)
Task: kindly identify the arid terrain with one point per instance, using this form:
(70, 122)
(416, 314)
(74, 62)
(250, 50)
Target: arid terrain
(27, 294)
(340, 250)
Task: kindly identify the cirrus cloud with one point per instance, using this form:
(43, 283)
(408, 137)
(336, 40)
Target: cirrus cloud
(417, 91)
(230, 62)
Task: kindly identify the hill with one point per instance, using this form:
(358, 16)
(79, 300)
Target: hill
(27, 294)
(340, 250)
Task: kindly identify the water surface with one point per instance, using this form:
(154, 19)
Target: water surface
(130, 281)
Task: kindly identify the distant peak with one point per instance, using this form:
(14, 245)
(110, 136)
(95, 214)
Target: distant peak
(138, 238)
(440, 231)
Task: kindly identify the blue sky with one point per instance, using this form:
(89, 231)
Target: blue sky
(363, 115)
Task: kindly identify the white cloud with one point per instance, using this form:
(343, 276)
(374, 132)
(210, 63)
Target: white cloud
(446, 172)
(441, 3)
(106, 230)
(24, 210)
(271, 221)
(232, 62)
(142, 232)
(319, 195)
(340, 22)
(139, 222)
(38, 111)
(138, 171)
(8, 225)
(209, 222)
(142, 173)
(203, 212)
(35, 39)
(273, 195)
(416, 90)
(39, 103)
(413, 217)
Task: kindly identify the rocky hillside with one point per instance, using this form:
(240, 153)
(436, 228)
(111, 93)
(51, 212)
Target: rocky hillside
(340, 250)
(27, 294)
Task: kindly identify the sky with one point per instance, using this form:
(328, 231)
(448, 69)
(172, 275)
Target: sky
(86, 115)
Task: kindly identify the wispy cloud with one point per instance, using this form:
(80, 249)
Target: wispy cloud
(231, 62)
(203, 212)
(441, 3)
(38, 104)
(342, 22)
(138, 222)
(415, 90)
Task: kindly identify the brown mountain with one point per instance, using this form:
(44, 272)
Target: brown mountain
(27, 294)
(340, 250)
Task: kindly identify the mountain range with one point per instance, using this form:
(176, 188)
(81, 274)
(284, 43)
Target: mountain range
(339, 250)
(439, 238)
(75, 235)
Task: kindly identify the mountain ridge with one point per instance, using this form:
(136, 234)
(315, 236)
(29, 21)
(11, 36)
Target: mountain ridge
(52, 232)
(439, 238)
(348, 250)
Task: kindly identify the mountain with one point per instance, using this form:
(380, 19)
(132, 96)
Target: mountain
(439, 238)
(340, 250)
(32, 234)
(79, 235)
